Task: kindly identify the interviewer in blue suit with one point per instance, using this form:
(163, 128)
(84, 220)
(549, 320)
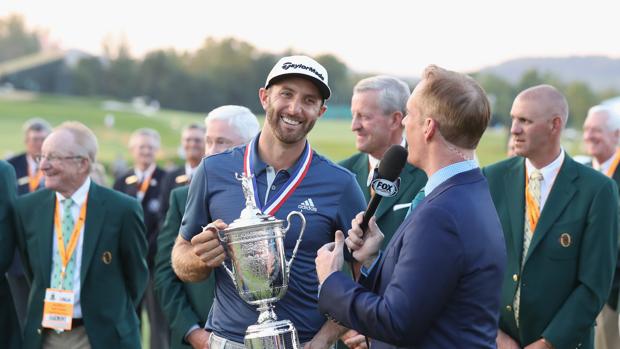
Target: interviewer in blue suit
(438, 282)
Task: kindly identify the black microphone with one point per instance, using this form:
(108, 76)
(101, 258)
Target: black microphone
(385, 184)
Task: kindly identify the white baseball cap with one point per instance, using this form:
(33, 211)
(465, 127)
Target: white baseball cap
(302, 66)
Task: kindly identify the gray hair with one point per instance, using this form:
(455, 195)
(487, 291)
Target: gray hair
(194, 126)
(37, 125)
(84, 138)
(149, 132)
(239, 118)
(393, 92)
(613, 119)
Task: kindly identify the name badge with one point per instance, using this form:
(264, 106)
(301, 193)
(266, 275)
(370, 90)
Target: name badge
(58, 309)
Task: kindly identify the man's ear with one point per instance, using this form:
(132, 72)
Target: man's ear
(430, 127)
(556, 124)
(396, 119)
(322, 110)
(84, 162)
(263, 96)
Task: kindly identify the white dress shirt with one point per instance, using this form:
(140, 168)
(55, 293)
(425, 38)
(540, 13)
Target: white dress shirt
(549, 173)
(373, 163)
(604, 167)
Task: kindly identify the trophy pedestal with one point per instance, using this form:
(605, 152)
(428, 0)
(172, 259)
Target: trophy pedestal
(272, 335)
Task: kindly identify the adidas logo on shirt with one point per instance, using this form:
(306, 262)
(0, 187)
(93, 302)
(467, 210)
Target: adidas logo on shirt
(307, 205)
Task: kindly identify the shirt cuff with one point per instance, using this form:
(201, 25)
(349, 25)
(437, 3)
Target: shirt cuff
(191, 329)
(365, 271)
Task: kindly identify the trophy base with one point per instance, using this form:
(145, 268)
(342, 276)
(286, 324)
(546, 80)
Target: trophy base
(272, 335)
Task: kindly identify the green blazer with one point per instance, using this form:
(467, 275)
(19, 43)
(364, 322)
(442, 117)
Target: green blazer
(113, 271)
(614, 296)
(184, 304)
(612, 301)
(388, 219)
(9, 326)
(568, 268)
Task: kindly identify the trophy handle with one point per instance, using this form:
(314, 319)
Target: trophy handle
(289, 263)
(230, 273)
(223, 239)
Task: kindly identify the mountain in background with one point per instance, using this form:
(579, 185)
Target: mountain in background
(599, 72)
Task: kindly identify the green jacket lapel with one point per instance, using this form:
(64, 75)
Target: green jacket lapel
(95, 213)
(560, 195)
(45, 242)
(515, 192)
(616, 175)
(360, 168)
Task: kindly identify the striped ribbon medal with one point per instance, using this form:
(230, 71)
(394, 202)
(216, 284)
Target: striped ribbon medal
(275, 201)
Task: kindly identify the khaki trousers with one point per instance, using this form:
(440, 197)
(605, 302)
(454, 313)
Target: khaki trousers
(217, 342)
(607, 334)
(74, 339)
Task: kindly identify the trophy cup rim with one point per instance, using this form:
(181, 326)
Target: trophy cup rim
(242, 225)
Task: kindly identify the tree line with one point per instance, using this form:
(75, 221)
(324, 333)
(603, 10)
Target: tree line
(229, 71)
(579, 95)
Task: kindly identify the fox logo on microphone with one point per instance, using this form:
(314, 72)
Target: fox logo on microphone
(384, 187)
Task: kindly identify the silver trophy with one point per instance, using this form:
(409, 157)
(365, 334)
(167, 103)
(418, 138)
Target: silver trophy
(255, 244)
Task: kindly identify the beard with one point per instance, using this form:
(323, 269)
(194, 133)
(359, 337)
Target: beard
(281, 132)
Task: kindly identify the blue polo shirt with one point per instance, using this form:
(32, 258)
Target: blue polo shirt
(329, 198)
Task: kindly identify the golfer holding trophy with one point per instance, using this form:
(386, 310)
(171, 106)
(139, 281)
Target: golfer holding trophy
(259, 261)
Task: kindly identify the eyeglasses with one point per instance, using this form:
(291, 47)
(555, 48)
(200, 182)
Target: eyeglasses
(55, 158)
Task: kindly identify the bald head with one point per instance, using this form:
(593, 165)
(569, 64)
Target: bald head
(538, 116)
(549, 101)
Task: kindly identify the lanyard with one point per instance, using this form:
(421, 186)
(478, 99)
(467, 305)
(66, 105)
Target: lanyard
(34, 179)
(614, 164)
(144, 186)
(66, 253)
(275, 202)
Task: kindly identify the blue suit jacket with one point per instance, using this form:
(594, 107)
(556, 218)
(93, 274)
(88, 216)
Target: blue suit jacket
(438, 282)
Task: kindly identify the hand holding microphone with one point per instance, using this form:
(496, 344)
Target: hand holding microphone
(364, 245)
(365, 237)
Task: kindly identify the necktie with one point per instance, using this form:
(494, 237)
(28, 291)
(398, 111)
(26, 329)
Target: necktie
(533, 187)
(371, 176)
(67, 229)
(531, 219)
(416, 201)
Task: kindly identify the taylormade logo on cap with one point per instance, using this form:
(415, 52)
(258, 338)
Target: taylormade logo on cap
(304, 66)
(288, 65)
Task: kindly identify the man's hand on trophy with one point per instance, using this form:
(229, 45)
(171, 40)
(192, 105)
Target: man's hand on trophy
(364, 246)
(329, 258)
(206, 245)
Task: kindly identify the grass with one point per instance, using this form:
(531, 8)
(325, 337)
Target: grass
(331, 137)
(112, 141)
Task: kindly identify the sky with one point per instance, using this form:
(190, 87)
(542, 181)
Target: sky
(379, 36)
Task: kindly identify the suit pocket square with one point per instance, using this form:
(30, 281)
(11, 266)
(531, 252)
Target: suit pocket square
(400, 206)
